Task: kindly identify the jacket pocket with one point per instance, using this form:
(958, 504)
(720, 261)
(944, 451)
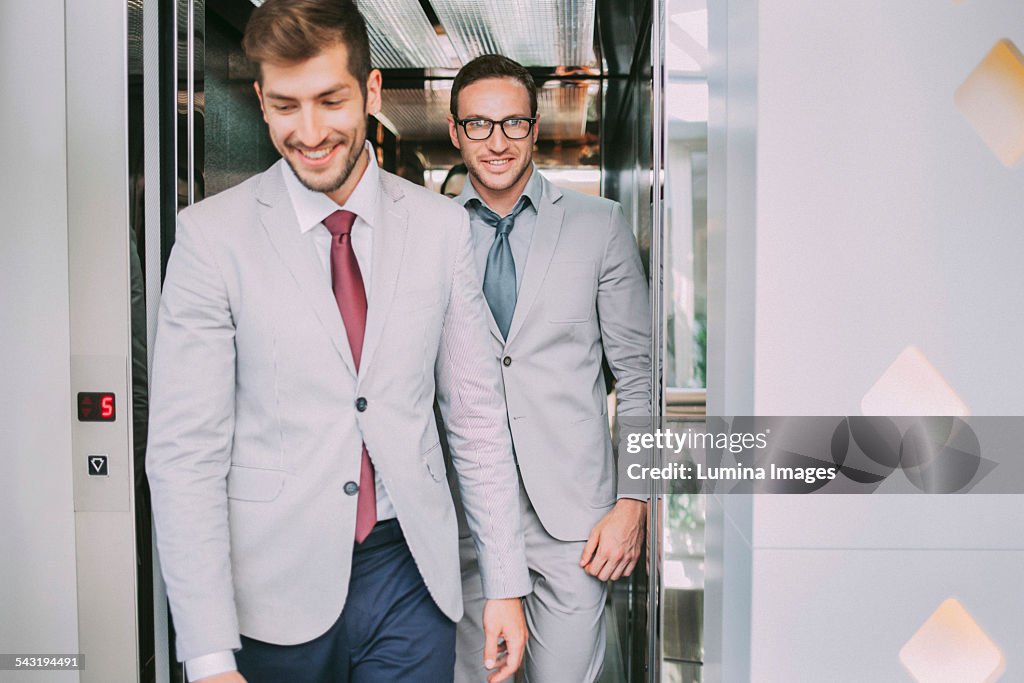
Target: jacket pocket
(434, 460)
(254, 484)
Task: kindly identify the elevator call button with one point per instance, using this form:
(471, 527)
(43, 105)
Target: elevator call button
(97, 465)
(96, 406)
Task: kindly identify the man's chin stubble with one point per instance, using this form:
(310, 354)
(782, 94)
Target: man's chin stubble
(328, 187)
(512, 183)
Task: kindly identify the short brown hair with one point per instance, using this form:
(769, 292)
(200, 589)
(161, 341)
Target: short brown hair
(493, 66)
(287, 31)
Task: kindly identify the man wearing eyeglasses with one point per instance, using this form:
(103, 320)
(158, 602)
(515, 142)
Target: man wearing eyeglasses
(565, 287)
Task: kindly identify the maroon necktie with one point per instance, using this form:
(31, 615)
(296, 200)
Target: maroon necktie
(347, 283)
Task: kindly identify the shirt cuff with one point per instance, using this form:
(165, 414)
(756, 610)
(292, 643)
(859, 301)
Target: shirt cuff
(210, 665)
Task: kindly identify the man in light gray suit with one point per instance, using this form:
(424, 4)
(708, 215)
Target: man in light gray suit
(309, 315)
(565, 287)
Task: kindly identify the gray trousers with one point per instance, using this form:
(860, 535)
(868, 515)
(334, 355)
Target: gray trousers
(564, 613)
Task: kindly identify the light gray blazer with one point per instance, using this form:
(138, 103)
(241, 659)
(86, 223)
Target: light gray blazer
(583, 296)
(254, 430)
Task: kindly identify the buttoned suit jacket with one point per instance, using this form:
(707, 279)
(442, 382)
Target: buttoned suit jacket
(583, 297)
(254, 428)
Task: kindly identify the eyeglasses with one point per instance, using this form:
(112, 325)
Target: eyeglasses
(514, 127)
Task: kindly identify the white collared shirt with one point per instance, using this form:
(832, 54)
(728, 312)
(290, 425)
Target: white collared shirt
(311, 208)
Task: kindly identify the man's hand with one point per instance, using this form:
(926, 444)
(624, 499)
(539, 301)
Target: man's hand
(613, 546)
(504, 619)
(226, 677)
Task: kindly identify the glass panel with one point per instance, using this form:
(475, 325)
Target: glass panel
(677, 672)
(686, 115)
(685, 267)
(682, 582)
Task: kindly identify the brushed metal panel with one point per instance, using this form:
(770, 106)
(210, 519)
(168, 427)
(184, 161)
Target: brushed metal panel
(401, 36)
(96, 84)
(532, 32)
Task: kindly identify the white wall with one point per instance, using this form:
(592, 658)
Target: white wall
(37, 534)
(882, 221)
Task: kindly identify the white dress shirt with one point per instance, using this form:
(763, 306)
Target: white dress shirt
(311, 208)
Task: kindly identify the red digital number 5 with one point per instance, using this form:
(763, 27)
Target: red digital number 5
(107, 407)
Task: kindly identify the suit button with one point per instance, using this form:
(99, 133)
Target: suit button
(361, 404)
(506, 361)
(351, 488)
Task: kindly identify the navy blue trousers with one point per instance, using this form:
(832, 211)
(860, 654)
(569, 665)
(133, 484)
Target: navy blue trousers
(389, 630)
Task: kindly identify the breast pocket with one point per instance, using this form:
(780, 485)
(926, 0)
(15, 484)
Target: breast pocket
(570, 291)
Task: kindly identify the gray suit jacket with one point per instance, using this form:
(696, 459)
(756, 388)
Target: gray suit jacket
(583, 296)
(254, 430)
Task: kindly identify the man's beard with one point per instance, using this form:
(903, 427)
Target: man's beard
(328, 185)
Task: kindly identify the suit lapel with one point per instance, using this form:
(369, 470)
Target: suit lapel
(542, 249)
(388, 250)
(298, 251)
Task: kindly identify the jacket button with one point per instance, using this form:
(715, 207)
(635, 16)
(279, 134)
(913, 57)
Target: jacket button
(506, 361)
(351, 488)
(361, 404)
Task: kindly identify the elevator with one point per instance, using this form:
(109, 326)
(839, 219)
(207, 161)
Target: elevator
(149, 108)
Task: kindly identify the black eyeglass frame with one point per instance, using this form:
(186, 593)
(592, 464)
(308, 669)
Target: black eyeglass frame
(532, 120)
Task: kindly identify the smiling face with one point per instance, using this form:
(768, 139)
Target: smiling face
(316, 115)
(499, 167)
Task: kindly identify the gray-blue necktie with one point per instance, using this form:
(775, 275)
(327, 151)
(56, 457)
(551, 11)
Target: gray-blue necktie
(500, 274)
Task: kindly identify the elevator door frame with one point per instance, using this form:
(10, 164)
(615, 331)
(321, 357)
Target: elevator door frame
(180, 170)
